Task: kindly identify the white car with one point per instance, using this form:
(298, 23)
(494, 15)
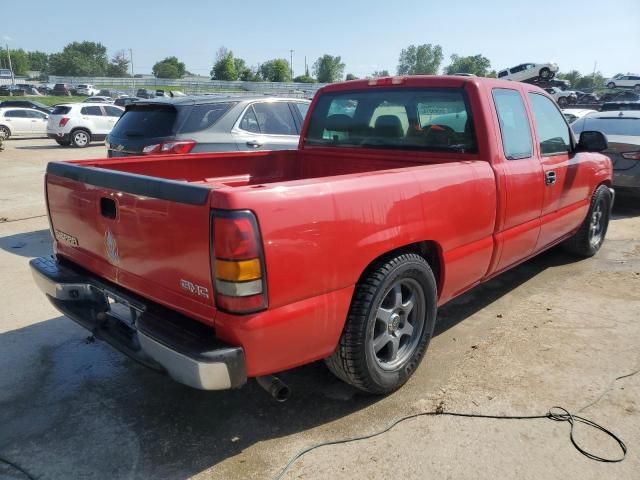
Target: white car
(573, 114)
(98, 99)
(628, 81)
(79, 124)
(529, 71)
(86, 89)
(562, 97)
(24, 122)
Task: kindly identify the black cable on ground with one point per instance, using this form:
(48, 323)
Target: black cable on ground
(17, 467)
(557, 414)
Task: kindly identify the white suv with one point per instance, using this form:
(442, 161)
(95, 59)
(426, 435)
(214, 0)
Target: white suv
(78, 124)
(88, 90)
(529, 71)
(629, 81)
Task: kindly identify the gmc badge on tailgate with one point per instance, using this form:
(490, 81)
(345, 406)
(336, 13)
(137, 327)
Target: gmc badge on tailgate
(194, 289)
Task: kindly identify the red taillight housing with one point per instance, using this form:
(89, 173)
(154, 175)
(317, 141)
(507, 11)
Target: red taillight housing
(174, 146)
(238, 262)
(631, 155)
(63, 121)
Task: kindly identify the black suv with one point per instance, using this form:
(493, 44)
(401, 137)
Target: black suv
(63, 89)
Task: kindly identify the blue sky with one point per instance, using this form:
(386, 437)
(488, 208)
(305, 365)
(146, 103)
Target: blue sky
(368, 35)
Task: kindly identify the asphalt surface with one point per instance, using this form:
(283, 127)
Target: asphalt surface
(553, 331)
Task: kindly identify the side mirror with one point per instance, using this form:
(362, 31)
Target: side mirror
(592, 141)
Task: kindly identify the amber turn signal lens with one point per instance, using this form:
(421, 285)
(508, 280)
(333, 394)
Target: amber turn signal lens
(239, 270)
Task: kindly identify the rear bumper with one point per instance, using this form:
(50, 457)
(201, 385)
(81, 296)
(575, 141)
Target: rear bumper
(58, 136)
(161, 339)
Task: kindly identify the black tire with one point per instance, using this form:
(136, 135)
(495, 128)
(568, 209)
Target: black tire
(5, 132)
(80, 138)
(563, 102)
(589, 238)
(355, 360)
(63, 143)
(611, 85)
(545, 73)
(636, 88)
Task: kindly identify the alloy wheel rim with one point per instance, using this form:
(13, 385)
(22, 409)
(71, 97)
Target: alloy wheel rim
(399, 324)
(596, 225)
(80, 138)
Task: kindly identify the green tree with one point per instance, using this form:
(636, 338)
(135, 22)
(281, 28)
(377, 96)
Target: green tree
(420, 60)
(225, 66)
(276, 70)
(328, 69)
(19, 61)
(476, 64)
(350, 76)
(119, 65)
(38, 61)
(304, 79)
(170, 67)
(380, 73)
(82, 59)
(573, 77)
(590, 81)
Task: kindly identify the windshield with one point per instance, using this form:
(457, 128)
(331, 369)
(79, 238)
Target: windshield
(608, 125)
(429, 119)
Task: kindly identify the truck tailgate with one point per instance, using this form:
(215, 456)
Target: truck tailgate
(149, 235)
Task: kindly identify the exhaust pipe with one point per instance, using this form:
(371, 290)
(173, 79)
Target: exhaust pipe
(275, 387)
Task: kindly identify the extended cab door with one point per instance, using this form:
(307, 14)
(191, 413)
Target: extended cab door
(521, 181)
(566, 181)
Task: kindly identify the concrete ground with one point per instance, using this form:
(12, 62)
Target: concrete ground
(553, 331)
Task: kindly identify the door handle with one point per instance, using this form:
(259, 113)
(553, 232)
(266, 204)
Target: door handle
(254, 144)
(550, 177)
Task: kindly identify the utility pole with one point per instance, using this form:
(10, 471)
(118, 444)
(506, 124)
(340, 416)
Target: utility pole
(306, 69)
(13, 77)
(133, 78)
(291, 64)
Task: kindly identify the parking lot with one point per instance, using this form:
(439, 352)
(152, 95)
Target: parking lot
(553, 331)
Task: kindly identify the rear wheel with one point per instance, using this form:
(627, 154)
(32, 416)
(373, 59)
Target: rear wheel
(545, 73)
(80, 138)
(4, 132)
(389, 325)
(589, 238)
(611, 85)
(562, 101)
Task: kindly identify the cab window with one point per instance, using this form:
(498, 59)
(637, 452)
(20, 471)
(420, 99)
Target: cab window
(514, 124)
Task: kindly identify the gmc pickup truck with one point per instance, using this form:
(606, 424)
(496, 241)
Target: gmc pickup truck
(404, 193)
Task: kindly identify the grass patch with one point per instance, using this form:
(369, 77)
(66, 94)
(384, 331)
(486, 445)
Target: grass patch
(47, 100)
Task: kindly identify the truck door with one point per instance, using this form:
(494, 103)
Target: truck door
(521, 182)
(565, 177)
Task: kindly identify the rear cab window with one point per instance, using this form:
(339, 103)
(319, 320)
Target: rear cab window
(427, 119)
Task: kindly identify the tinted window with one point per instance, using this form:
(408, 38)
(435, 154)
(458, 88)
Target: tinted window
(95, 111)
(503, 73)
(16, 114)
(249, 121)
(552, 129)
(146, 121)
(303, 108)
(514, 125)
(204, 116)
(417, 119)
(275, 118)
(35, 114)
(61, 110)
(608, 125)
(113, 111)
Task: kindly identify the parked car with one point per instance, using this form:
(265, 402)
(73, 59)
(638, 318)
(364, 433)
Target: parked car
(620, 97)
(22, 122)
(219, 267)
(63, 89)
(12, 91)
(529, 72)
(124, 101)
(588, 99)
(145, 93)
(27, 104)
(207, 124)
(87, 89)
(562, 97)
(98, 99)
(78, 124)
(625, 81)
(107, 92)
(622, 128)
(573, 114)
(612, 106)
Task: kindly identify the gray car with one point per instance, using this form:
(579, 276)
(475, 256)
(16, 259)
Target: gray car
(208, 124)
(622, 129)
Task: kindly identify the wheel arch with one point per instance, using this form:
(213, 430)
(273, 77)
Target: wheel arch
(86, 129)
(6, 126)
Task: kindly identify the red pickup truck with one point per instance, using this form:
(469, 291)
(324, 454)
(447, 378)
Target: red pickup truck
(404, 193)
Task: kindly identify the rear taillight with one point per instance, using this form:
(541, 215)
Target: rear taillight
(238, 262)
(177, 146)
(63, 121)
(631, 155)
